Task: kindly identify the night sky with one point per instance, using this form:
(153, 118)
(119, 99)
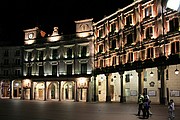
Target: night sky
(46, 14)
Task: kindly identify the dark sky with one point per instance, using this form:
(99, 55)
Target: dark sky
(26, 14)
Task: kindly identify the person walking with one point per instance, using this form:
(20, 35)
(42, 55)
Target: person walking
(140, 104)
(171, 109)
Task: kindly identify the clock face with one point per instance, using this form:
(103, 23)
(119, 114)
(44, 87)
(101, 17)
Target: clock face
(30, 35)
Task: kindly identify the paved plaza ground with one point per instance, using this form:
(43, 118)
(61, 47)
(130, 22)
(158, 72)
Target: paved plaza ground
(69, 110)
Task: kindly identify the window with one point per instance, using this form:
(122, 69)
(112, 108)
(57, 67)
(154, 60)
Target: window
(29, 71)
(174, 25)
(6, 53)
(175, 47)
(6, 72)
(113, 27)
(55, 53)
(69, 69)
(150, 52)
(84, 68)
(41, 55)
(69, 52)
(149, 32)
(101, 48)
(101, 32)
(129, 39)
(113, 44)
(101, 63)
(83, 51)
(6, 62)
(29, 56)
(148, 11)
(142, 54)
(17, 62)
(130, 57)
(114, 61)
(17, 72)
(128, 20)
(54, 70)
(41, 70)
(127, 78)
(124, 58)
(17, 53)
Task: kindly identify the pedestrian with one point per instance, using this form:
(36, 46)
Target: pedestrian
(140, 104)
(171, 109)
(146, 106)
(148, 98)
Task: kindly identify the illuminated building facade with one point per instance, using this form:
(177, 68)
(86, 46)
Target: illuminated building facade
(10, 72)
(137, 51)
(134, 50)
(58, 67)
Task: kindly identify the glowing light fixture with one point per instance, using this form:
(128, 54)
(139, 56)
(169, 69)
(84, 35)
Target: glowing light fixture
(176, 71)
(16, 84)
(131, 76)
(151, 73)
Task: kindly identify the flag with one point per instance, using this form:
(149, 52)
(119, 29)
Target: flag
(42, 33)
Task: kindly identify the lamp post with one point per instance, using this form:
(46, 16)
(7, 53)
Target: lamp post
(174, 5)
(163, 66)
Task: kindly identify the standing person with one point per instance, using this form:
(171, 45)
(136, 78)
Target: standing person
(140, 104)
(171, 110)
(146, 107)
(147, 97)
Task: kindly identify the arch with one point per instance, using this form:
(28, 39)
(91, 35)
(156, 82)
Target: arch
(52, 91)
(68, 90)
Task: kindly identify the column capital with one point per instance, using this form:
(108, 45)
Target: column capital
(106, 74)
(161, 67)
(121, 72)
(139, 70)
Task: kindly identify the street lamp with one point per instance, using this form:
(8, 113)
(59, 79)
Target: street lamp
(172, 4)
(176, 71)
(151, 74)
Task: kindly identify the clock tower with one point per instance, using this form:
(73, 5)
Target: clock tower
(31, 35)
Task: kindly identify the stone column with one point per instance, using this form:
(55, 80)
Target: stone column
(0, 89)
(122, 96)
(31, 91)
(76, 99)
(140, 81)
(59, 90)
(95, 89)
(162, 89)
(10, 97)
(44, 90)
(22, 90)
(108, 97)
(87, 93)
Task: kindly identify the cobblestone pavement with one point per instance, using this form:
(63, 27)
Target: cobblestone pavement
(55, 110)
